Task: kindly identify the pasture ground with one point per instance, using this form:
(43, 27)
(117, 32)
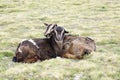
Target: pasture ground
(98, 19)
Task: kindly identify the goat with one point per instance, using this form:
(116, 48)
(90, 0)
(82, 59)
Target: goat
(77, 47)
(73, 46)
(26, 52)
(57, 34)
(32, 50)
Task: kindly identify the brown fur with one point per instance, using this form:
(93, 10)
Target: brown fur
(77, 47)
(30, 53)
(73, 46)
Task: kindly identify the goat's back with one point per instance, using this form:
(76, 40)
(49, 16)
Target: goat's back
(25, 52)
(46, 50)
(84, 41)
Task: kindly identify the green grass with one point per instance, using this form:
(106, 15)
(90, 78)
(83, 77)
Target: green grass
(98, 19)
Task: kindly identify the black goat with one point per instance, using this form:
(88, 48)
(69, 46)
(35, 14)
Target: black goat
(32, 50)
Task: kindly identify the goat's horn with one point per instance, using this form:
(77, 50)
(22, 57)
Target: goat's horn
(55, 24)
(46, 24)
(66, 31)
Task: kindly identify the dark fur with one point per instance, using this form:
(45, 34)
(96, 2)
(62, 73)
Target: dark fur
(74, 46)
(28, 53)
(31, 54)
(48, 48)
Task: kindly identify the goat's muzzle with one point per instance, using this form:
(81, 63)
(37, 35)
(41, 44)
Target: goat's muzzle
(14, 59)
(59, 43)
(47, 35)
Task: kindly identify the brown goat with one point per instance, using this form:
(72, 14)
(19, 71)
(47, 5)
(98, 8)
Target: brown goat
(77, 47)
(26, 52)
(74, 46)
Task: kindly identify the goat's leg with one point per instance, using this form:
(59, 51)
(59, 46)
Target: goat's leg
(70, 56)
(31, 60)
(79, 57)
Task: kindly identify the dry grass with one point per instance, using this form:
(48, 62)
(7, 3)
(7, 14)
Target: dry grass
(98, 19)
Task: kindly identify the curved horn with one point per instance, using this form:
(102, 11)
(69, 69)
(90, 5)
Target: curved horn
(66, 31)
(46, 24)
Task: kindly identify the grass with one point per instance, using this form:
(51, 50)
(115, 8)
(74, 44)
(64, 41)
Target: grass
(98, 19)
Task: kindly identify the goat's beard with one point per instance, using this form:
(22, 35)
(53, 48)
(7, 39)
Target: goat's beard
(59, 43)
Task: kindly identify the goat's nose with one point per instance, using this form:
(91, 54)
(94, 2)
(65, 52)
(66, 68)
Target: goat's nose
(14, 59)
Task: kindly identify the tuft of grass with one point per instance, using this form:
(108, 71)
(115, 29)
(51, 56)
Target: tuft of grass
(109, 41)
(6, 53)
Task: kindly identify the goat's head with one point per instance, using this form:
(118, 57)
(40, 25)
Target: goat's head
(56, 31)
(25, 54)
(59, 33)
(18, 57)
(49, 29)
(27, 59)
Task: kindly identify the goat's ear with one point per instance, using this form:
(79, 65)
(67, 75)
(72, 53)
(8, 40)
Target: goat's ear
(66, 31)
(46, 24)
(55, 25)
